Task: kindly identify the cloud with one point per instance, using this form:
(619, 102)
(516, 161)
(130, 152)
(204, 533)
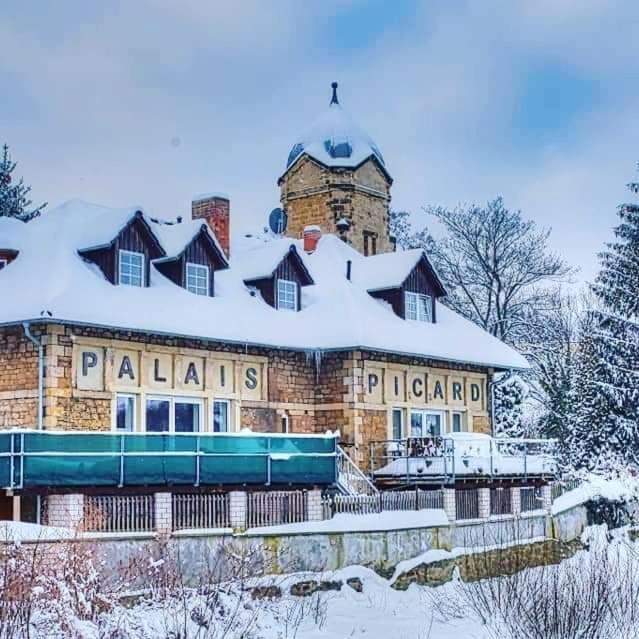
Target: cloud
(152, 101)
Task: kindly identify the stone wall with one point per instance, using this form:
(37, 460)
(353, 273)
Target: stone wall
(314, 194)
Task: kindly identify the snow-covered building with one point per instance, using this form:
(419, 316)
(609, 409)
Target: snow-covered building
(117, 322)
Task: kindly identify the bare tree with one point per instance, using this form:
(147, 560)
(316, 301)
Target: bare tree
(496, 266)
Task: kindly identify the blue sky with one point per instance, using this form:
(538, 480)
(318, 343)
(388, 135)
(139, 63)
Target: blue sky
(150, 102)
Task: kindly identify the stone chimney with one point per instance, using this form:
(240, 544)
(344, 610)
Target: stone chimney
(312, 236)
(216, 210)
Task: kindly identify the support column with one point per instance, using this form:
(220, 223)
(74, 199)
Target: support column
(17, 508)
(314, 505)
(65, 511)
(546, 496)
(450, 505)
(163, 513)
(515, 501)
(238, 510)
(484, 503)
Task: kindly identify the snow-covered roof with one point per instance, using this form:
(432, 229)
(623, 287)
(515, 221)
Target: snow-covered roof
(175, 236)
(389, 270)
(335, 140)
(50, 277)
(264, 259)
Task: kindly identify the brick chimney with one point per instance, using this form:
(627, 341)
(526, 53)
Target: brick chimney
(216, 210)
(312, 235)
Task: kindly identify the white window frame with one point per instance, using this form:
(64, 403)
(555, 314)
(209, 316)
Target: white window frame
(135, 411)
(229, 414)
(172, 399)
(295, 301)
(3, 263)
(415, 305)
(424, 412)
(123, 252)
(201, 272)
(402, 425)
(462, 421)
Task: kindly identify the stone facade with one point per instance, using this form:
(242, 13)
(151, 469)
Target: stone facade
(315, 194)
(298, 392)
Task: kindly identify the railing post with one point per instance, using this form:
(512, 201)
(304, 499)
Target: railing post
(12, 461)
(515, 501)
(268, 462)
(492, 470)
(450, 507)
(121, 483)
(163, 513)
(21, 460)
(197, 461)
(238, 514)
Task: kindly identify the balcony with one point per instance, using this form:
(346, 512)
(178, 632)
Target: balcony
(35, 460)
(459, 456)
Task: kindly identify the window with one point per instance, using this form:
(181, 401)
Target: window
(285, 425)
(397, 423)
(458, 423)
(418, 307)
(3, 263)
(221, 416)
(426, 424)
(197, 278)
(175, 415)
(287, 295)
(125, 413)
(131, 268)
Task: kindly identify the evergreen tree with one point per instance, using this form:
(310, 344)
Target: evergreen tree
(606, 430)
(14, 196)
(509, 395)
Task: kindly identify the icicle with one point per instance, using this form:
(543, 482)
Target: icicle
(315, 357)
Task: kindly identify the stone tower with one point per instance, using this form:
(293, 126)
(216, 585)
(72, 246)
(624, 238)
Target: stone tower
(336, 178)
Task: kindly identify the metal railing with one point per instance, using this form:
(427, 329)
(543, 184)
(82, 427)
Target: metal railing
(449, 457)
(201, 510)
(467, 503)
(531, 498)
(384, 501)
(275, 508)
(350, 479)
(501, 501)
(119, 513)
(31, 459)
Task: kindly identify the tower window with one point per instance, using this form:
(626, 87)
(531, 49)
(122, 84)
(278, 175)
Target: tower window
(286, 295)
(197, 278)
(131, 268)
(370, 243)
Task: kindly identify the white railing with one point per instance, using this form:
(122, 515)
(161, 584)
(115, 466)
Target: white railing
(350, 479)
(275, 508)
(369, 504)
(531, 498)
(205, 510)
(467, 504)
(461, 455)
(501, 501)
(119, 513)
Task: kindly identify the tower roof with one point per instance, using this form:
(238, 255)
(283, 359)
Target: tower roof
(335, 140)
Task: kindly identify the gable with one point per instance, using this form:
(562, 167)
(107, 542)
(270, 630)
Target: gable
(424, 279)
(370, 175)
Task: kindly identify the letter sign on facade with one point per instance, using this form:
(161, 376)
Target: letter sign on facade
(457, 392)
(475, 392)
(126, 369)
(373, 381)
(418, 387)
(89, 367)
(251, 378)
(191, 375)
(438, 392)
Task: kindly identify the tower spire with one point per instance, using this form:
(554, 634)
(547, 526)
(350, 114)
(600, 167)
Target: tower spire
(334, 99)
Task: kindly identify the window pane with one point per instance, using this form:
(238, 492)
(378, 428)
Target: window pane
(157, 415)
(197, 279)
(397, 424)
(457, 423)
(287, 295)
(131, 268)
(125, 410)
(187, 417)
(416, 424)
(221, 417)
(434, 424)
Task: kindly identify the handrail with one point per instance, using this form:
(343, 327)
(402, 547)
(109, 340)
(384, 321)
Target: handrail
(346, 470)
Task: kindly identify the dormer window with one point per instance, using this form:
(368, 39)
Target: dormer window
(131, 268)
(286, 295)
(197, 278)
(418, 307)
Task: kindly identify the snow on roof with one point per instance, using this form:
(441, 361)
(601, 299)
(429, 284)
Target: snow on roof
(175, 236)
(207, 196)
(335, 140)
(50, 277)
(11, 233)
(261, 261)
(388, 270)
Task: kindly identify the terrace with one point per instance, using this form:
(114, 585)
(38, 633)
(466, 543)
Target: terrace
(39, 460)
(461, 456)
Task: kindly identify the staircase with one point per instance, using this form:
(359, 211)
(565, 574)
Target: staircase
(350, 479)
